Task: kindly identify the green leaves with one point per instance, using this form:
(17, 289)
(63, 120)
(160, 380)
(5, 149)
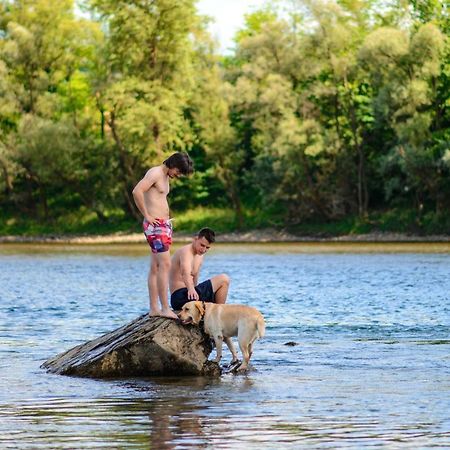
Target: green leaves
(45, 149)
(325, 109)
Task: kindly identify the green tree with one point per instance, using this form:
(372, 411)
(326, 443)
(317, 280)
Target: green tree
(211, 112)
(405, 69)
(44, 52)
(293, 80)
(148, 82)
(8, 117)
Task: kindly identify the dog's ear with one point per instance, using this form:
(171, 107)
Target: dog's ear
(201, 309)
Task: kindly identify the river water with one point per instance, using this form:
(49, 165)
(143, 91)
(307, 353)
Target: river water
(370, 366)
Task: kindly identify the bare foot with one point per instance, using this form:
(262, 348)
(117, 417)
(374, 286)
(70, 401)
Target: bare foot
(169, 314)
(155, 313)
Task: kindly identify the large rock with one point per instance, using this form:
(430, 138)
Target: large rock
(146, 346)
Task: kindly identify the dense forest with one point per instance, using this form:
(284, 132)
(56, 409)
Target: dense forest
(325, 112)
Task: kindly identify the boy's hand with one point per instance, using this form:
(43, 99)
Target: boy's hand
(192, 294)
(153, 220)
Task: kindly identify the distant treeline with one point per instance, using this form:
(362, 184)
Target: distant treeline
(325, 109)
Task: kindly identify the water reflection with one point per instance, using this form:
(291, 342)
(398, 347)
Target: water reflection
(166, 413)
(231, 412)
(181, 423)
(173, 417)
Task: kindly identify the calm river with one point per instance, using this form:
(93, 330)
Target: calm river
(370, 368)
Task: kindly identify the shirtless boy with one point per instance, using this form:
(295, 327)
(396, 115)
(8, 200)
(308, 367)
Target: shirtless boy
(185, 269)
(150, 196)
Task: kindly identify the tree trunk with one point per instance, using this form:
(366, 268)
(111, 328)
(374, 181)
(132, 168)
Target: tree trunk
(102, 115)
(315, 195)
(238, 209)
(43, 197)
(7, 177)
(127, 171)
(362, 184)
(230, 185)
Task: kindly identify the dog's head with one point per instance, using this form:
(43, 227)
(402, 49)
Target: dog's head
(192, 312)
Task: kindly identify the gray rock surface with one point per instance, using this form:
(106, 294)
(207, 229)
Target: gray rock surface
(145, 347)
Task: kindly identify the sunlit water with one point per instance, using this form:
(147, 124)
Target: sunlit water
(371, 367)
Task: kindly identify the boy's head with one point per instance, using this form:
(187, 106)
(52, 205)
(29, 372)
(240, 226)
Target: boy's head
(208, 234)
(180, 161)
(202, 242)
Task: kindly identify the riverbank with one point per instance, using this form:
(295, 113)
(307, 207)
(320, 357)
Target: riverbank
(254, 236)
(388, 226)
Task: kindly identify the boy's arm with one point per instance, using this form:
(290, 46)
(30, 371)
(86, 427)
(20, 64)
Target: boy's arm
(196, 274)
(186, 274)
(138, 194)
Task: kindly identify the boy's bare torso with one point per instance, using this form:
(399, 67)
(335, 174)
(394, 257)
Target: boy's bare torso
(156, 197)
(184, 258)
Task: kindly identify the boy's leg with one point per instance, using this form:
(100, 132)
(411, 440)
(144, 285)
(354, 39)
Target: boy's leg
(220, 284)
(155, 309)
(163, 260)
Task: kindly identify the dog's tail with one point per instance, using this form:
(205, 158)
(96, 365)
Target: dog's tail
(261, 326)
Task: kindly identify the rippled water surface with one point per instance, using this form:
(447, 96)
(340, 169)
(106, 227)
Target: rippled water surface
(368, 365)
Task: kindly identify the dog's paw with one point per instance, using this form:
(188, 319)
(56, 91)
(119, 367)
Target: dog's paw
(233, 364)
(230, 367)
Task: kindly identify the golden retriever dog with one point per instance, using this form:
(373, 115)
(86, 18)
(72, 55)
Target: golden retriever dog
(224, 321)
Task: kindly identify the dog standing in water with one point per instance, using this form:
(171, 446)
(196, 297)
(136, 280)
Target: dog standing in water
(222, 322)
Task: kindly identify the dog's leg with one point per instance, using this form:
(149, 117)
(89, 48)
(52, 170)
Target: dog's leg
(218, 340)
(243, 345)
(230, 345)
(245, 359)
(250, 349)
(246, 341)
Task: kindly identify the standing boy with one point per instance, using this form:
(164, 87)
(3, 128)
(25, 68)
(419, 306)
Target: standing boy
(150, 196)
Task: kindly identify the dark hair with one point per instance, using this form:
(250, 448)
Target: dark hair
(180, 161)
(208, 234)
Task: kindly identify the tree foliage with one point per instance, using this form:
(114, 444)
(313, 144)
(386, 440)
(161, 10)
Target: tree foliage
(323, 110)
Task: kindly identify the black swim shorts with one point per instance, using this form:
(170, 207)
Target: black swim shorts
(180, 296)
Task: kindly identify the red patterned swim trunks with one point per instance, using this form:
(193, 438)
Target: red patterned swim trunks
(158, 237)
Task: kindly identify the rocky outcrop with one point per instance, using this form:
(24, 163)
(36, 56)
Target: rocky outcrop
(147, 346)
